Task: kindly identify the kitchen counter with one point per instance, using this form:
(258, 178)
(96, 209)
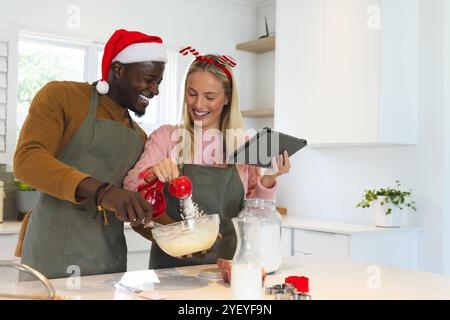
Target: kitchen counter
(10, 227)
(335, 226)
(329, 279)
(395, 247)
(13, 227)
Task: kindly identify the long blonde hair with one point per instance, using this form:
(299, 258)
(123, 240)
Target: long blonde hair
(231, 115)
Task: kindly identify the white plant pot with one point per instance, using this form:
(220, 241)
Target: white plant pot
(381, 219)
(26, 200)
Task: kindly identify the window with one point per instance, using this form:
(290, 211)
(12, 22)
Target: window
(41, 62)
(43, 59)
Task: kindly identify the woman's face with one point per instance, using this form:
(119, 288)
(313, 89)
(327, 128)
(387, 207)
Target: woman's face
(205, 99)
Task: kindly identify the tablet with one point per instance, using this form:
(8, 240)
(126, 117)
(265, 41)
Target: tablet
(263, 146)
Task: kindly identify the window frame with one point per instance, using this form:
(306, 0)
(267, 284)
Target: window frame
(90, 48)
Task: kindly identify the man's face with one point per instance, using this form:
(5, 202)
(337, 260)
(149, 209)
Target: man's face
(137, 83)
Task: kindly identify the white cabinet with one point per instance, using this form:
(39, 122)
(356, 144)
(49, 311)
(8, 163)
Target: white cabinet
(138, 250)
(348, 70)
(396, 247)
(321, 243)
(9, 234)
(286, 242)
(8, 244)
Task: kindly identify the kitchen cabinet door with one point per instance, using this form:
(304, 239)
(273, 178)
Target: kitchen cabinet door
(8, 244)
(299, 68)
(348, 70)
(286, 242)
(351, 70)
(138, 250)
(321, 243)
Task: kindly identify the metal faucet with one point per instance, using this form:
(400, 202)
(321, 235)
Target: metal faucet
(23, 267)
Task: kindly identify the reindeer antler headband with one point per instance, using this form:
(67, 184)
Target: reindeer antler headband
(220, 63)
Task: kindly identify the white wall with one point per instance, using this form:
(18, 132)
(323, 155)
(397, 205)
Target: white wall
(432, 135)
(264, 69)
(328, 182)
(212, 26)
(446, 175)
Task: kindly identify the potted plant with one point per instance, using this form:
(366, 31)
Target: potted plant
(386, 204)
(26, 198)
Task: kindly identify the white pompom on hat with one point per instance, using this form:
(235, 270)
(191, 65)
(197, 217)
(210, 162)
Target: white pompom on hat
(129, 47)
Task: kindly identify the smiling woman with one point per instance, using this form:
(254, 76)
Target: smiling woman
(210, 111)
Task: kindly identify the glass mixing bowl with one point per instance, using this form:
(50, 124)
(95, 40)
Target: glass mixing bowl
(187, 236)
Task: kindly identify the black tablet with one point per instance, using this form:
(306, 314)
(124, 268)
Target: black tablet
(262, 147)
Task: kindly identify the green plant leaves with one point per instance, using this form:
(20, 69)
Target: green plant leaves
(22, 186)
(394, 196)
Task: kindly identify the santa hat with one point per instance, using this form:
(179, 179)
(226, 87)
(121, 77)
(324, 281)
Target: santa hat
(129, 47)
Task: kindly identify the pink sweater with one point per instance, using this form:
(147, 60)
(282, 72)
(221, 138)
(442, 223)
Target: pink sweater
(160, 145)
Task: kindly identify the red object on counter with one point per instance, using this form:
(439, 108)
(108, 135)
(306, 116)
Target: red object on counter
(153, 193)
(300, 283)
(181, 187)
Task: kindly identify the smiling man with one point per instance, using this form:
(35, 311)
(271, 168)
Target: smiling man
(77, 144)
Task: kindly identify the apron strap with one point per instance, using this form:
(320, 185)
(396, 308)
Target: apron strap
(93, 101)
(22, 232)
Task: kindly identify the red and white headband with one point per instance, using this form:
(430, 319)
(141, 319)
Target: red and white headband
(221, 63)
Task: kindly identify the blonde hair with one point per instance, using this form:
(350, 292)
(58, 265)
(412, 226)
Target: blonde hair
(231, 115)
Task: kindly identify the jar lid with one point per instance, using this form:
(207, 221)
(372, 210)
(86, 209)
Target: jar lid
(259, 202)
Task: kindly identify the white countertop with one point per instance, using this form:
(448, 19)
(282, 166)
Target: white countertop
(10, 227)
(13, 227)
(328, 279)
(335, 226)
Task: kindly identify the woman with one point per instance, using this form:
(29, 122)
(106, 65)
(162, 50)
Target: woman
(210, 112)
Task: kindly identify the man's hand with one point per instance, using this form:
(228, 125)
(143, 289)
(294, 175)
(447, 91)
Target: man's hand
(128, 206)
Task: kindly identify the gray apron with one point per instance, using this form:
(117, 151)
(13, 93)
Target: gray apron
(216, 191)
(62, 237)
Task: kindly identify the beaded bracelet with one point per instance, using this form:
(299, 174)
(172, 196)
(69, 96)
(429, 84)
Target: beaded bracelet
(97, 192)
(101, 191)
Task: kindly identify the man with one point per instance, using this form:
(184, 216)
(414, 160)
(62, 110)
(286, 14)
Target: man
(76, 147)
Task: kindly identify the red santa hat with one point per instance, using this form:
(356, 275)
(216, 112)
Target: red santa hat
(129, 47)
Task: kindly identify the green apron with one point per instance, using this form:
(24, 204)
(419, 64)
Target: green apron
(216, 191)
(61, 236)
